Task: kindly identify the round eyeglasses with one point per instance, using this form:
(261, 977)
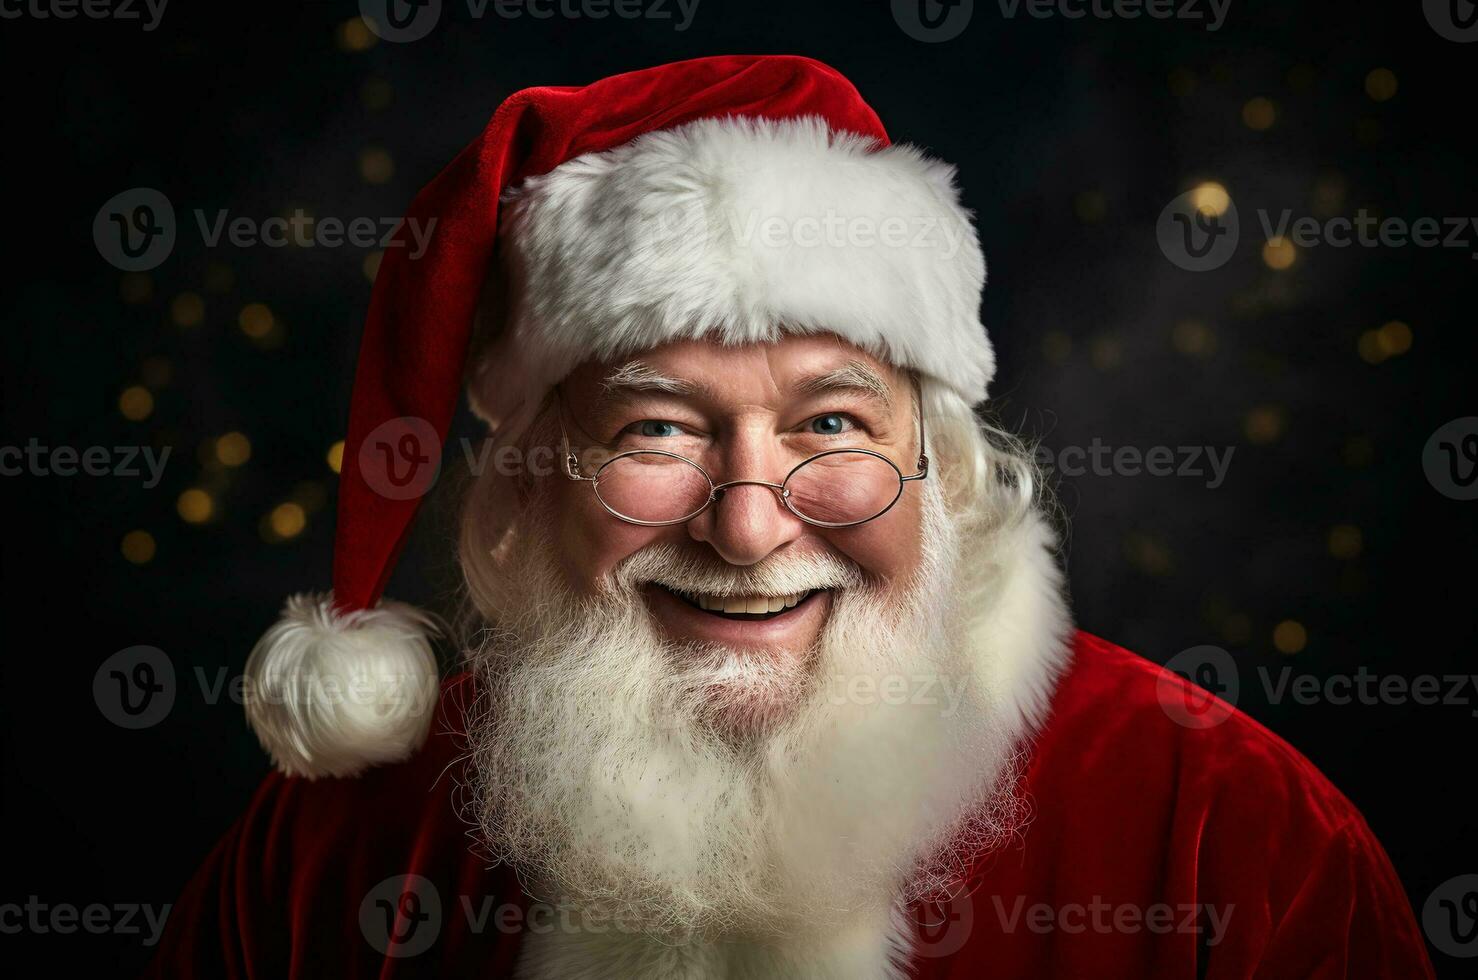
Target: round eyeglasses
(835, 488)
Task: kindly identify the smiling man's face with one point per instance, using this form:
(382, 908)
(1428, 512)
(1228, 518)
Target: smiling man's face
(646, 755)
(743, 413)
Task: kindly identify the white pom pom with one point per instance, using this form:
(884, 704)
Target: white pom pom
(331, 693)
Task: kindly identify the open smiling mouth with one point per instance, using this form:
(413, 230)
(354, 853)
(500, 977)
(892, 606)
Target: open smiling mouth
(757, 607)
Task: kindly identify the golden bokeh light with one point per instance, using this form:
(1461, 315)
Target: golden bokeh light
(1278, 253)
(138, 547)
(1368, 347)
(195, 506)
(233, 449)
(376, 165)
(1210, 198)
(256, 320)
(1259, 114)
(1394, 338)
(1391, 340)
(354, 35)
(1381, 85)
(136, 403)
(187, 310)
(1264, 424)
(1290, 636)
(371, 265)
(335, 456)
(286, 521)
(1193, 338)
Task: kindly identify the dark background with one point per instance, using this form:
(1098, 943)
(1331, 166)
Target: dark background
(1070, 136)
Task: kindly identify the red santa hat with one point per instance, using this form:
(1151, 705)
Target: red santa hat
(736, 197)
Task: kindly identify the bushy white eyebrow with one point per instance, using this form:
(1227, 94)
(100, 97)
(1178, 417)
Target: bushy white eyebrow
(638, 377)
(852, 376)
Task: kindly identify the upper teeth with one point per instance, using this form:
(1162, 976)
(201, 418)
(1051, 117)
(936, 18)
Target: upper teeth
(747, 604)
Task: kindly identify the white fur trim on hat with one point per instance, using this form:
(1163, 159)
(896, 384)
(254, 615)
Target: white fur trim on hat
(739, 229)
(330, 693)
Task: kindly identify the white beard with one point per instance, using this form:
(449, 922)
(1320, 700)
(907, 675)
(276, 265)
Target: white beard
(624, 776)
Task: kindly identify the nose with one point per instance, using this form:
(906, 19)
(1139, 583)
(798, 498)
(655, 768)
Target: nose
(748, 521)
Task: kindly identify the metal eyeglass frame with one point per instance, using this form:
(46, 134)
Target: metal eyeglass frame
(572, 471)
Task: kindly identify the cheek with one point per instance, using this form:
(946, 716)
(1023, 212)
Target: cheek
(889, 548)
(590, 541)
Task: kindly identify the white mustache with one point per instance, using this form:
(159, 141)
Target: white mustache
(664, 565)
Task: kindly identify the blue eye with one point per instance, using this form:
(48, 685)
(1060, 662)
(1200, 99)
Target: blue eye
(656, 429)
(831, 424)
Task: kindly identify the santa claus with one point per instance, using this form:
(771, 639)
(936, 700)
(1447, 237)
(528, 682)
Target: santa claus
(772, 673)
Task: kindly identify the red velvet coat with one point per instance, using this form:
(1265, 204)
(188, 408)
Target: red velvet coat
(1149, 839)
